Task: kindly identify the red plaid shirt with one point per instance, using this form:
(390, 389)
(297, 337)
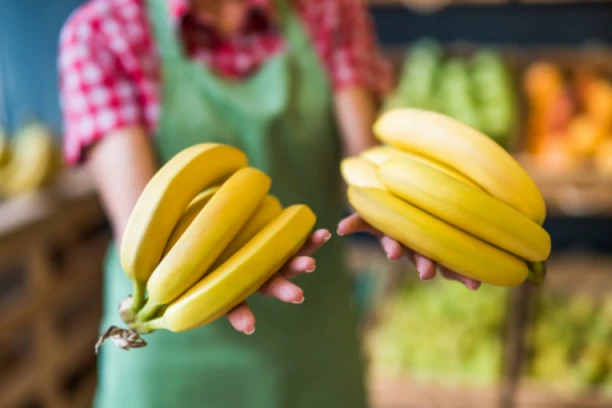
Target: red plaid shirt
(109, 66)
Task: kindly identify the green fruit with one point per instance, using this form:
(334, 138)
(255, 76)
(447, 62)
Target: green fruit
(494, 95)
(418, 73)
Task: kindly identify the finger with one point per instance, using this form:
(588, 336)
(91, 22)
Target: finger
(354, 223)
(425, 266)
(409, 253)
(242, 318)
(283, 290)
(298, 266)
(316, 241)
(469, 283)
(392, 248)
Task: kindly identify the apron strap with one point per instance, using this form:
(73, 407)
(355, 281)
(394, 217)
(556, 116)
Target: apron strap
(294, 32)
(168, 45)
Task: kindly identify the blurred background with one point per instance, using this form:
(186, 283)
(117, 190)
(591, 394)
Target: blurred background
(535, 75)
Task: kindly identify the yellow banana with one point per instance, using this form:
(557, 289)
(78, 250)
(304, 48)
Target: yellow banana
(359, 172)
(207, 236)
(380, 154)
(191, 212)
(31, 162)
(267, 211)
(5, 147)
(468, 209)
(232, 282)
(163, 201)
(456, 145)
(437, 240)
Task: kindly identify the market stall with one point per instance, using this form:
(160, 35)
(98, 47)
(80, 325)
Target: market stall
(550, 106)
(525, 76)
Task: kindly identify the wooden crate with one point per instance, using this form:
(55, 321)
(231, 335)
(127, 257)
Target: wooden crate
(51, 248)
(406, 392)
(569, 273)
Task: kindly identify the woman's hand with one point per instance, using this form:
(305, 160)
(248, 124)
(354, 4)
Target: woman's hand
(394, 250)
(279, 286)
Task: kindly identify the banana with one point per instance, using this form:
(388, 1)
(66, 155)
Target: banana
(380, 154)
(191, 212)
(437, 240)
(5, 147)
(32, 161)
(207, 236)
(468, 209)
(162, 202)
(359, 172)
(268, 210)
(456, 145)
(233, 281)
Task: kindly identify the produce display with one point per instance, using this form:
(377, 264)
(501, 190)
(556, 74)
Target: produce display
(477, 91)
(569, 119)
(28, 161)
(204, 235)
(440, 332)
(488, 228)
(570, 343)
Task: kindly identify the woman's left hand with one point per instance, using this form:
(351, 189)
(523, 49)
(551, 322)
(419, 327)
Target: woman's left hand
(280, 286)
(394, 250)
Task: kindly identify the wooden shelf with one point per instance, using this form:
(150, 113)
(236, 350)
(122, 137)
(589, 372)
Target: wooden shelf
(572, 272)
(30, 208)
(538, 396)
(52, 244)
(574, 194)
(388, 391)
(405, 392)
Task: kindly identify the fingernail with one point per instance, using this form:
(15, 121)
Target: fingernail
(288, 292)
(248, 333)
(309, 270)
(389, 258)
(299, 302)
(327, 237)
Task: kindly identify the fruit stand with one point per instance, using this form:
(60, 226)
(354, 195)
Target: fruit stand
(561, 139)
(433, 344)
(50, 243)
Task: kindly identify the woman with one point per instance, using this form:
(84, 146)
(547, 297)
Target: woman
(293, 84)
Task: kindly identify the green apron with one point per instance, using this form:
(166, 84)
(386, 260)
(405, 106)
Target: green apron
(300, 356)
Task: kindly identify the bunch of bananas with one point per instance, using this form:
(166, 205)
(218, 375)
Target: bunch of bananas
(203, 236)
(452, 194)
(28, 161)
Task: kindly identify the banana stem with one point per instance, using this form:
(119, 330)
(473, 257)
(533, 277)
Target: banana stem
(138, 295)
(148, 311)
(155, 324)
(141, 327)
(537, 272)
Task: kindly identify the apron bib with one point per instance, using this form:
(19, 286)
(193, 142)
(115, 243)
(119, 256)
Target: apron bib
(300, 356)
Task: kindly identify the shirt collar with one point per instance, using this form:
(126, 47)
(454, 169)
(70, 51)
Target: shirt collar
(180, 8)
